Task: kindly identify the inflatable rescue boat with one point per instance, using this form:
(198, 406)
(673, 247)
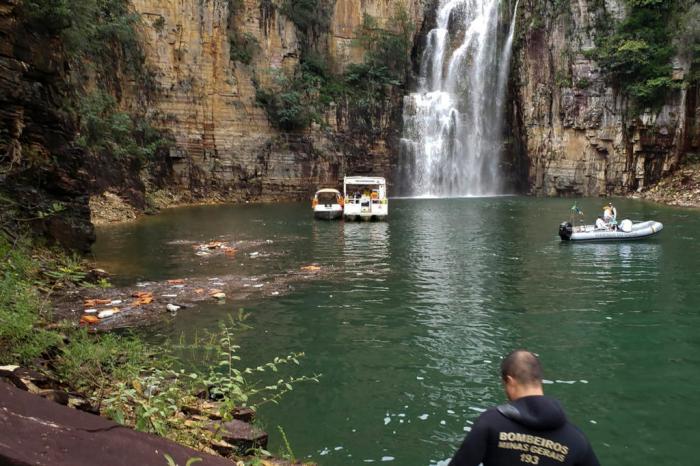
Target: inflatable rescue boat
(626, 230)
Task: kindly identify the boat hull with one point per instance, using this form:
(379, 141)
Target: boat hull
(640, 230)
(328, 214)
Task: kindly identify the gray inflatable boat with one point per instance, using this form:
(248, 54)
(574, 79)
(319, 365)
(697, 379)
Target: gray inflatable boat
(626, 230)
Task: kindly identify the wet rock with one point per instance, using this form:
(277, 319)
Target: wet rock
(37, 431)
(95, 275)
(244, 414)
(206, 408)
(72, 400)
(223, 448)
(26, 379)
(240, 434)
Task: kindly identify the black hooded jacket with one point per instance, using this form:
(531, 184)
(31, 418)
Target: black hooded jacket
(529, 430)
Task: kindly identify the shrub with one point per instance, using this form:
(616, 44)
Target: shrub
(292, 103)
(298, 99)
(21, 307)
(242, 47)
(637, 55)
(104, 128)
(309, 16)
(88, 362)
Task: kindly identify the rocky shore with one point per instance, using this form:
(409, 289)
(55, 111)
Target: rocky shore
(680, 189)
(45, 423)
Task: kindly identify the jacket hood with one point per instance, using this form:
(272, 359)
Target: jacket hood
(535, 412)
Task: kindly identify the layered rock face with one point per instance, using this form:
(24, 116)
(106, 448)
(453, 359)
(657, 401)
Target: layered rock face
(224, 141)
(43, 181)
(578, 135)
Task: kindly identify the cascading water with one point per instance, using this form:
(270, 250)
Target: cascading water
(453, 125)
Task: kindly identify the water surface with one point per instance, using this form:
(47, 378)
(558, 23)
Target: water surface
(409, 331)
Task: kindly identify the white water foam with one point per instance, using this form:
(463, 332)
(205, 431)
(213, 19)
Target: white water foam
(453, 125)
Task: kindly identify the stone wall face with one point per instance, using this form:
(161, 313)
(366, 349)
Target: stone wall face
(38, 169)
(224, 141)
(581, 137)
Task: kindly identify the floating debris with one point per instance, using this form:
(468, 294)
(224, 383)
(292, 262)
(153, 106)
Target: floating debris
(106, 314)
(142, 297)
(89, 320)
(96, 302)
(172, 307)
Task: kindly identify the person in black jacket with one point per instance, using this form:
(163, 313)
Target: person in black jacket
(531, 429)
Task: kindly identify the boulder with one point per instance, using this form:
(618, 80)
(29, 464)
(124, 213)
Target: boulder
(240, 434)
(244, 414)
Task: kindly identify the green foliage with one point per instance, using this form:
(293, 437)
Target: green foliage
(243, 47)
(387, 50)
(21, 307)
(582, 83)
(104, 128)
(311, 17)
(64, 270)
(159, 23)
(637, 55)
(88, 362)
(151, 399)
(562, 79)
(292, 103)
(90, 29)
(288, 453)
(99, 37)
(190, 461)
(297, 99)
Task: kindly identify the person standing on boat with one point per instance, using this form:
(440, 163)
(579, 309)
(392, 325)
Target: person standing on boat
(531, 429)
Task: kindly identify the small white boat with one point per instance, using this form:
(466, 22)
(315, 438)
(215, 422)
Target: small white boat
(626, 230)
(365, 198)
(327, 204)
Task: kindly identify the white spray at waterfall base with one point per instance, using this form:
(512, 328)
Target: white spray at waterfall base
(453, 124)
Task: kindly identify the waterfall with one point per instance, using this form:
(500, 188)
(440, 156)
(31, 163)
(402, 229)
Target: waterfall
(453, 124)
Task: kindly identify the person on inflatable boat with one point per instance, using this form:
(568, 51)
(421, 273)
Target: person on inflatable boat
(610, 215)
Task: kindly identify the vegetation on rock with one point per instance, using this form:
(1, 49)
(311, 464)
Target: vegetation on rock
(301, 97)
(100, 41)
(637, 54)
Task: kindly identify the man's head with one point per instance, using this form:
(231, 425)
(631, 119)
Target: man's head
(521, 373)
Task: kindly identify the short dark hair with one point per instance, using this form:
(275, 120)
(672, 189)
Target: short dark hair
(523, 366)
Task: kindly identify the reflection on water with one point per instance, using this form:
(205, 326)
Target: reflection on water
(409, 328)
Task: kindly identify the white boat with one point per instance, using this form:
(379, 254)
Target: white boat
(365, 198)
(327, 204)
(626, 230)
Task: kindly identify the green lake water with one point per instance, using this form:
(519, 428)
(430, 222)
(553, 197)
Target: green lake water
(409, 329)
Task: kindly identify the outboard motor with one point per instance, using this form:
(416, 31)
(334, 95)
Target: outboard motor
(565, 231)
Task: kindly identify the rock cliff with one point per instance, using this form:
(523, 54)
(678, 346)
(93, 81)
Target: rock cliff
(225, 143)
(579, 134)
(572, 130)
(43, 181)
